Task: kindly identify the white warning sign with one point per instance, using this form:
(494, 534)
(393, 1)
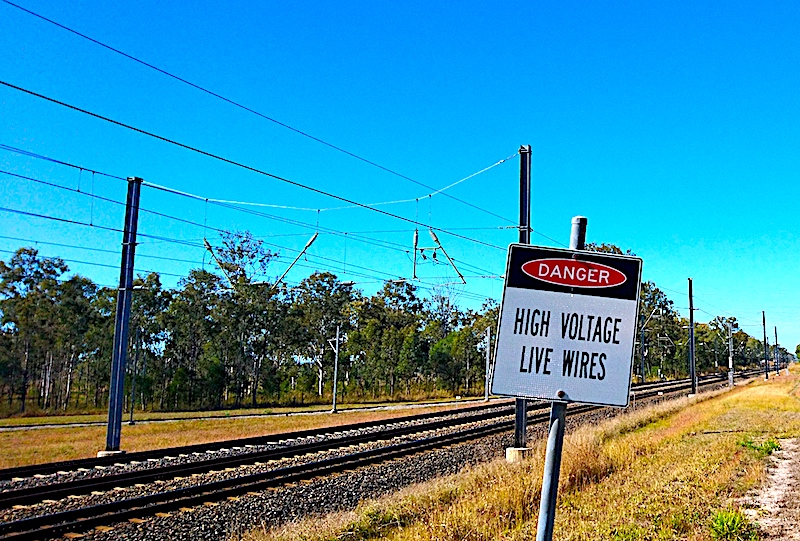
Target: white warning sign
(567, 326)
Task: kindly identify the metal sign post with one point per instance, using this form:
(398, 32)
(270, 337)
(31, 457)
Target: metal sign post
(566, 334)
(488, 364)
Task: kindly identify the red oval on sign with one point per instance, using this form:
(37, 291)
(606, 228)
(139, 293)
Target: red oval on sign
(571, 272)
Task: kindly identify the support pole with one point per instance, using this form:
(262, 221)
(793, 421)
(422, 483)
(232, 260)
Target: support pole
(555, 438)
(133, 371)
(122, 318)
(766, 347)
(488, 364)
(730, 355)
(335, 370)
(641, 345)
(692, 366)
(777, 359)
(521, 404)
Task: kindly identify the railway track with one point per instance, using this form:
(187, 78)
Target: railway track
(55, 524)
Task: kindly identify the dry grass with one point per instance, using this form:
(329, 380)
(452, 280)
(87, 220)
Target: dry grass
(69, 418)
(659, 473)
(35, 446)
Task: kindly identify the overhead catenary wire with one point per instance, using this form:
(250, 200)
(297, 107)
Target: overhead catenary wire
(318, 210)
(37, 156)
(172, 240)
(245, 166)
(700, 299)
(251, 110)
(376, 242)
(96, 264)
(106, 199)
(219, 202)
(100, 250)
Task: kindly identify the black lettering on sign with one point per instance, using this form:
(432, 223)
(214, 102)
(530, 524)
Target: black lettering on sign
(606, 330)
(522, 361)
(542, 357)
(584, 365)
(519, 320)
(539, 359)
(601, 376)
(566, 365)
(532, 322)
(598, 328)
(592, 365)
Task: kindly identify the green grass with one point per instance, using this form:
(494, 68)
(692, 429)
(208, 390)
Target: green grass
(732, 525)
(763, 449)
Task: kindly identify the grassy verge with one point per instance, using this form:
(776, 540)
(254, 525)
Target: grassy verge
(673, 471)
(35, 446)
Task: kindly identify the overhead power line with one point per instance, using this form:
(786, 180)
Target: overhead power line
(53, 160)
(100, 250)
(255, 112)
(312, 209)
(109, 200)
(357, 235)
(96, 264)
(229, 205)
(189, 243)
(244, 166)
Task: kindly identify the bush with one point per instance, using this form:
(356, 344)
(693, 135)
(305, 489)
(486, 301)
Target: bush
(732, 525)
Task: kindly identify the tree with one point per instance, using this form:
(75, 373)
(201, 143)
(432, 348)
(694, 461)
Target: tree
(386, 341)
(28, 295)
(243, 309)
(320, 303)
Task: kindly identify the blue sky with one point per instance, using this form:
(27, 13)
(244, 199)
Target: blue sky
(673, 126)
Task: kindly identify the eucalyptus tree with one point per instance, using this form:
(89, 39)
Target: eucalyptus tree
(662, 330)
(191, 326)
(387, 343)
(242, 311)
(320, 303)
(76, 315)
(28, 295)
(148, 334)
(478, 323)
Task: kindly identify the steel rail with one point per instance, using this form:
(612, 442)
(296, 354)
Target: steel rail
(50, 468)
(82, 519)
(77, 487)
(139, 456)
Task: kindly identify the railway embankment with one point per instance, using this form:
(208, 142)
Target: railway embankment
(230, 489)
(723, 465)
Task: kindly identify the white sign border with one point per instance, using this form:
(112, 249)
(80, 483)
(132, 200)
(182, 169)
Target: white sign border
(570, 253)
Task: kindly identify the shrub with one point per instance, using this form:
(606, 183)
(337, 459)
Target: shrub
(732, 525)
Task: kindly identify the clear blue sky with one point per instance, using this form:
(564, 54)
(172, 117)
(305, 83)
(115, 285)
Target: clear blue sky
(673, 126)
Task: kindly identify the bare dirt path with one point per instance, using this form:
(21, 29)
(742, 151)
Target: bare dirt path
(776, 504)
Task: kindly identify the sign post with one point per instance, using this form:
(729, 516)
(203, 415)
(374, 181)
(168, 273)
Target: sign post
(566, 334)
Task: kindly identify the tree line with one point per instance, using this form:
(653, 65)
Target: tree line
(222, 338)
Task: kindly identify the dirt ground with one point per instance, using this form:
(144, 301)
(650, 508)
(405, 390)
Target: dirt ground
(776, 504)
